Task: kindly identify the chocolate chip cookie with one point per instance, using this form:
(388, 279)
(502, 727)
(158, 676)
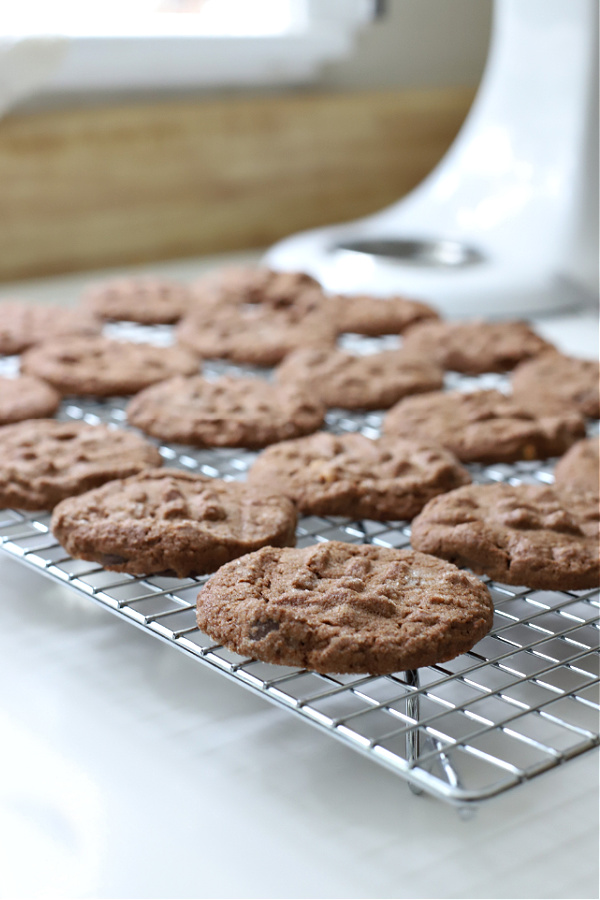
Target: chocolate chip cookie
(165, 520)
(101, 367)
(352, 475)
(26, 398)
(578, 469)
(253, 284)
(364, 314)
(44, 461)
(228, 412)
(484, 426)
(259, 334)
(554, 383)
(24, 324)
(337, 607)
(375, 381)
(144, 299)
(475, 347)
(516, 534)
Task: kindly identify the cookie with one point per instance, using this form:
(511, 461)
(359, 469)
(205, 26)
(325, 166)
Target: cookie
(363, 314)
(144, 299)
(517, 534)
(100, 367)
(578, 470)
(228, 412)
(26, 398)
(165, 520)
(259, 334)
(475, 347)
(44, 461)
(22, 325)
(253, 284)
(338, 607)
(352, 475)
(484, 426)
(375, 381)
(554, 383)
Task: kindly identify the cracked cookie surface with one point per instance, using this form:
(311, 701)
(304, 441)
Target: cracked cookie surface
(475, 347)
(227, 412)
(373, 381)
(22, 325)
(352, 475)
(26, 397)
(143, 299)
(483, 426)
(337, 607)
(100, 367)
(166, 520)
(516, 534)
(43, 461)
(555, 382)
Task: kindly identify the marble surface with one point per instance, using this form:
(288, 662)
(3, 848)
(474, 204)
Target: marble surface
(130, 771)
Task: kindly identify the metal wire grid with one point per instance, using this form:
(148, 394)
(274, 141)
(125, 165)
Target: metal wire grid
(523, 700)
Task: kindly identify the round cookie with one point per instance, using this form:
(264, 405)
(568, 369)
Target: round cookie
(100, 367)
(144, 299)
(375, 381)
(228, 412)
(43, 461)
(578, 470)
(254, 284)
(352, 475)
(483, 426)
(165, 520)
(475, 347)
(23, 325)
(555, 383)
(337, 607)
(26, 398)
(259, 334)
(363, 314)
(516, 534)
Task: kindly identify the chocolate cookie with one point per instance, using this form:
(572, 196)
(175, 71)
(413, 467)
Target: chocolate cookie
(26, 398)
(100, 367)
(375, 381)
(523, 534)
(363, 314)
(259, 334)
(555, 383)
(228, 412)
(484, 426)
(337, 607)
(475, 347)
(22, 325)
(253, 284)
(353, 476)
(144, 299)
(165, 520)
(578, 469)
(44, 461)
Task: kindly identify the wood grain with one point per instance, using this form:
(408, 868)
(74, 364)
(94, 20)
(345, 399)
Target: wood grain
(88, 188)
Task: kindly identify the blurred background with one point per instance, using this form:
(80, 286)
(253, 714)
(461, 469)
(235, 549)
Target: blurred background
(135, 131)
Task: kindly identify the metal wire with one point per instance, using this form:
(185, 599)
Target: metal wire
(523, 700)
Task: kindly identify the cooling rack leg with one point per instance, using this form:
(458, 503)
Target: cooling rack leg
(413, 738)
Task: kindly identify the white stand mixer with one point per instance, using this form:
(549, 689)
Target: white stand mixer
(506, 224)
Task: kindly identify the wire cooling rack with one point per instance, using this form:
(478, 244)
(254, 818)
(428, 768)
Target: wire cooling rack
(523, 700)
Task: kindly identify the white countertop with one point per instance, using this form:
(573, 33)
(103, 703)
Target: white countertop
(130, 771)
